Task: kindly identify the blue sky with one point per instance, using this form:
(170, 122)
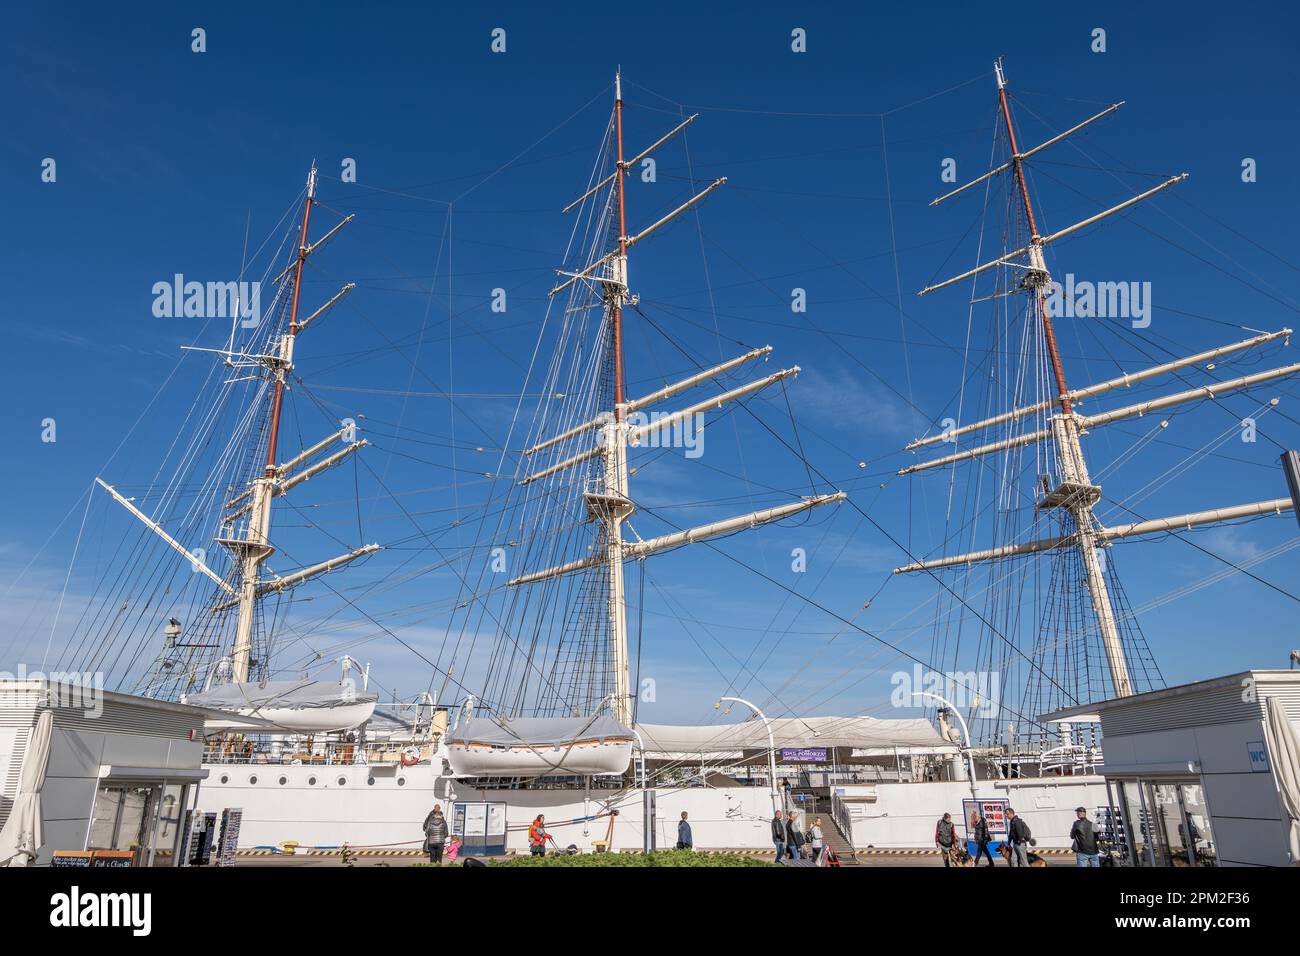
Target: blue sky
(464, 158)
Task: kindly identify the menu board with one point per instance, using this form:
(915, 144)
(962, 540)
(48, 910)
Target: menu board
(71, 858)
(229, 842)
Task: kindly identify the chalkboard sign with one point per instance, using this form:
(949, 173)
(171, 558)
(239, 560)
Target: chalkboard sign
(112, 858)
(229, 842)
(71, 858)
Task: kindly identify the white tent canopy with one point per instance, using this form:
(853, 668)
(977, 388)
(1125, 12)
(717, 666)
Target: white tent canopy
(858, 733)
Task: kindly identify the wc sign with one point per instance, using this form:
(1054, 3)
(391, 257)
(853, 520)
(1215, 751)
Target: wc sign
(1258, 754)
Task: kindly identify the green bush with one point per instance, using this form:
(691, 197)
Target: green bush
(659, 858)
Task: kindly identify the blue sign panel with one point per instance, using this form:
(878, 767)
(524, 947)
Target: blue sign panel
(1258, 756)
(803, 755)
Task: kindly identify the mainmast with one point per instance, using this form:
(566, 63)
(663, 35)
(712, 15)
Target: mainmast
(608, 500)
(616, 506)
(1074, 491)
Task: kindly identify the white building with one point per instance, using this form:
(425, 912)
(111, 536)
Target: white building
(1206, 773)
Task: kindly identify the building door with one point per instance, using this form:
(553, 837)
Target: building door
(124, 818)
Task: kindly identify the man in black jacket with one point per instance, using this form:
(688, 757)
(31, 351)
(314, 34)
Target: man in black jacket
(982, 840)
(778, 835)
(794, 840)
(1018, 837)
(1083, 837)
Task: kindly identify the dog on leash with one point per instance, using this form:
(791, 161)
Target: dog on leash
(959, 856)
(1005, 852)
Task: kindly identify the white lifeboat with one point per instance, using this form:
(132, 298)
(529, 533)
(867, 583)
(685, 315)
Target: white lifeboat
(539, 746)
(301, 706)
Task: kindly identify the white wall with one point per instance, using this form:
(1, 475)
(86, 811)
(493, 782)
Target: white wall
(1245, 813)
(904, 814)
(387, 813)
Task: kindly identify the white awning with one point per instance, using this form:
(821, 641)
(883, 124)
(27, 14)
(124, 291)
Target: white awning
(857, 733)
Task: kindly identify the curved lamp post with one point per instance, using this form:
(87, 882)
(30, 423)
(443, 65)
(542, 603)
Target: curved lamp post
(771, 745)
(964, 731)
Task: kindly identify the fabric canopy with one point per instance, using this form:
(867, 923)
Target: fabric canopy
(23, 831)
(1286, 766)
(292, 694)
(853, 732)
(536, 731)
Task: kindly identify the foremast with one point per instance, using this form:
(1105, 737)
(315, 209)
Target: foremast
(609, 501)
(251, 509)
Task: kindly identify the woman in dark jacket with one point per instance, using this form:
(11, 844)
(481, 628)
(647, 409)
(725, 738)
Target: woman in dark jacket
(435, 834)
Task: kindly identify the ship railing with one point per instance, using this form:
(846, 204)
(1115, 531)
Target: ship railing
(843, 820)
(322, 753)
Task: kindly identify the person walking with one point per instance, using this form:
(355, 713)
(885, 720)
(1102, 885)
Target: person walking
(982, 840)
(794, 840)
(778, 836)
(1083, 841)
(435, 834)
(945, 837)
(684, 838)
(1018, 837)
(537, 836)
(817, 838)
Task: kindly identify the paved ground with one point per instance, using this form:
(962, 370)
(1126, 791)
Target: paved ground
(864, 859)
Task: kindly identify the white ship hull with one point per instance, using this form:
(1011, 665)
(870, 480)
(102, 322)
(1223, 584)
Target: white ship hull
(343, 806)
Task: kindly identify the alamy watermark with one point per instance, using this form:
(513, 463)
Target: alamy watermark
(1084, 299)
(208, 300)
(976, 692)
(665, 430)
(78, 690)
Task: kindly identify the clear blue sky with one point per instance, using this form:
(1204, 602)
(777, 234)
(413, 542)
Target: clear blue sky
(163, 155)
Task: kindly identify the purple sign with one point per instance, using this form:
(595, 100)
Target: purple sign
(803, 755)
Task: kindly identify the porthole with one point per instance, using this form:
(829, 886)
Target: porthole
(225, 778)
(401, 781)
(370, 781)
(252, 780)
(311, 781)
(343, 781)
(283, 781)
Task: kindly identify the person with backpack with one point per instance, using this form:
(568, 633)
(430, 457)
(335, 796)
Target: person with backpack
(817, 839)
(1018, 837)
(945, 837)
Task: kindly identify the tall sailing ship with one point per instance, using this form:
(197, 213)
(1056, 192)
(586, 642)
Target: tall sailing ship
(545, 716)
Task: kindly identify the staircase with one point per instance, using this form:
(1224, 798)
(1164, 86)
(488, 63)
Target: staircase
(835, 839)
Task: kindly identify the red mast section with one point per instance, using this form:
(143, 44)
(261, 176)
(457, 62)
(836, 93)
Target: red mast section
(616, 313)
(1049, 332)
(286, 350)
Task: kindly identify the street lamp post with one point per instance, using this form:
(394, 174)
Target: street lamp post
(771, 745)
(964, 731)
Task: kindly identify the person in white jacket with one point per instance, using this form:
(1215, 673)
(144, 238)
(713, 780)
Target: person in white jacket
(818, 839)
